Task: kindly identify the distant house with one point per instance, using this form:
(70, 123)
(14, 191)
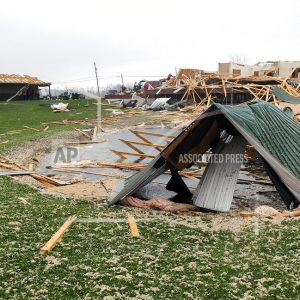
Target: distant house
(283, 69)
(20, 87)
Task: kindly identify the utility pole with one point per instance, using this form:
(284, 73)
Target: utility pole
(122, 82)
(96, 72)
(99, 108)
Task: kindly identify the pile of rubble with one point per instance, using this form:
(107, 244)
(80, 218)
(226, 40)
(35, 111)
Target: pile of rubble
(197, 88)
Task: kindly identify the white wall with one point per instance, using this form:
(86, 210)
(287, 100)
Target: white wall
(286, 67)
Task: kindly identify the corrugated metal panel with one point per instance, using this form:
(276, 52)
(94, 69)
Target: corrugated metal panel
(284, 96)
(274, 135)
(272, 128)
(217, 185)
(21, 79)
(141, 178)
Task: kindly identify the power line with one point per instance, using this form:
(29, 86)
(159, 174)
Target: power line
(85, 80)
(92, 78)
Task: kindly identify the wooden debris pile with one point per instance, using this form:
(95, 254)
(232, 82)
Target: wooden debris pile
(201, 88)
(9, 164)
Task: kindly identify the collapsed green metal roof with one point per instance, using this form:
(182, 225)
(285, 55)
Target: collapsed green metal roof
(274, 135)
(272, 128)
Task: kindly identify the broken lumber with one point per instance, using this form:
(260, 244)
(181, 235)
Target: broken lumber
(83, 133)
(58, 235)
(152, 133)
(290, 214)
(31, 128)
(133, 226)
(84, 142)
(130, 145)
(16, 173)
(42, 178)
(123, 154)
(86, 172)
(142, 144)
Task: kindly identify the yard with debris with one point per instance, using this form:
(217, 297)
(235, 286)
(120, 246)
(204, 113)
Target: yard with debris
(191, 255)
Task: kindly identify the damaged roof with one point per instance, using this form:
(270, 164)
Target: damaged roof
(21, 79)
(274, 135)
(273, 129)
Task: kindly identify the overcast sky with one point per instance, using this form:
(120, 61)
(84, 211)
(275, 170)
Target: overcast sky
(59, 40)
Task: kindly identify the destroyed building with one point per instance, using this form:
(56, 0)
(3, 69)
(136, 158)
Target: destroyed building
(20, 87)
(224, 130)
(282, 69)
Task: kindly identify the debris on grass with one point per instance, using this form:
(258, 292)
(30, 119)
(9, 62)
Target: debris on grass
(133, 226)
(57, 236)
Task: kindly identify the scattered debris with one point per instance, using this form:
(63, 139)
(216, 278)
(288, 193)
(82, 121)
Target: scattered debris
(97, 191)
(133, 226)
(157, 204)
(31, 128)
(23, 200)
(83, 133)
(84, 142)
(146, 142)
(57, 236)
(265, 211)
(9, 164)
(274, 135)
(60, 107)
(64, 170)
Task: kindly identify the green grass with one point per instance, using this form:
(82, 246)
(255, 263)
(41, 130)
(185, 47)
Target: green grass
(173, 259)
(95, 260)
(17, 114)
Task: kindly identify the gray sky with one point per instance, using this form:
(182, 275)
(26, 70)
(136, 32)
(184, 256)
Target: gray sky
(59, 40)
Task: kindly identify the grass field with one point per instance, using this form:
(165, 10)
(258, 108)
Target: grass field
(173, 259)
(17, 114)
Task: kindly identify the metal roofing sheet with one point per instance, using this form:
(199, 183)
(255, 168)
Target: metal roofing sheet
(274, 135)
(284, 96)
(274, 130)
(217, 185)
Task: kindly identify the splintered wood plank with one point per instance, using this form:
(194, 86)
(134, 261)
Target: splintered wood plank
(130, 145)
(133, 226)
(42, 178)
(142, 144)
(83, 133)
(124, 154)
(152, 133)
(58, 235)
(31, 128)
(216, 187)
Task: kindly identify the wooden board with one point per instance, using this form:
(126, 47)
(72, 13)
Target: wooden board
(57, 236)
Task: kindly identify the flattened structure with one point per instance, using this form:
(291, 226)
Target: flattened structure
(275, 136)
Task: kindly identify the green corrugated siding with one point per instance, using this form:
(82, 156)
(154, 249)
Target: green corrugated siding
(272, 128)
(284, 96)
